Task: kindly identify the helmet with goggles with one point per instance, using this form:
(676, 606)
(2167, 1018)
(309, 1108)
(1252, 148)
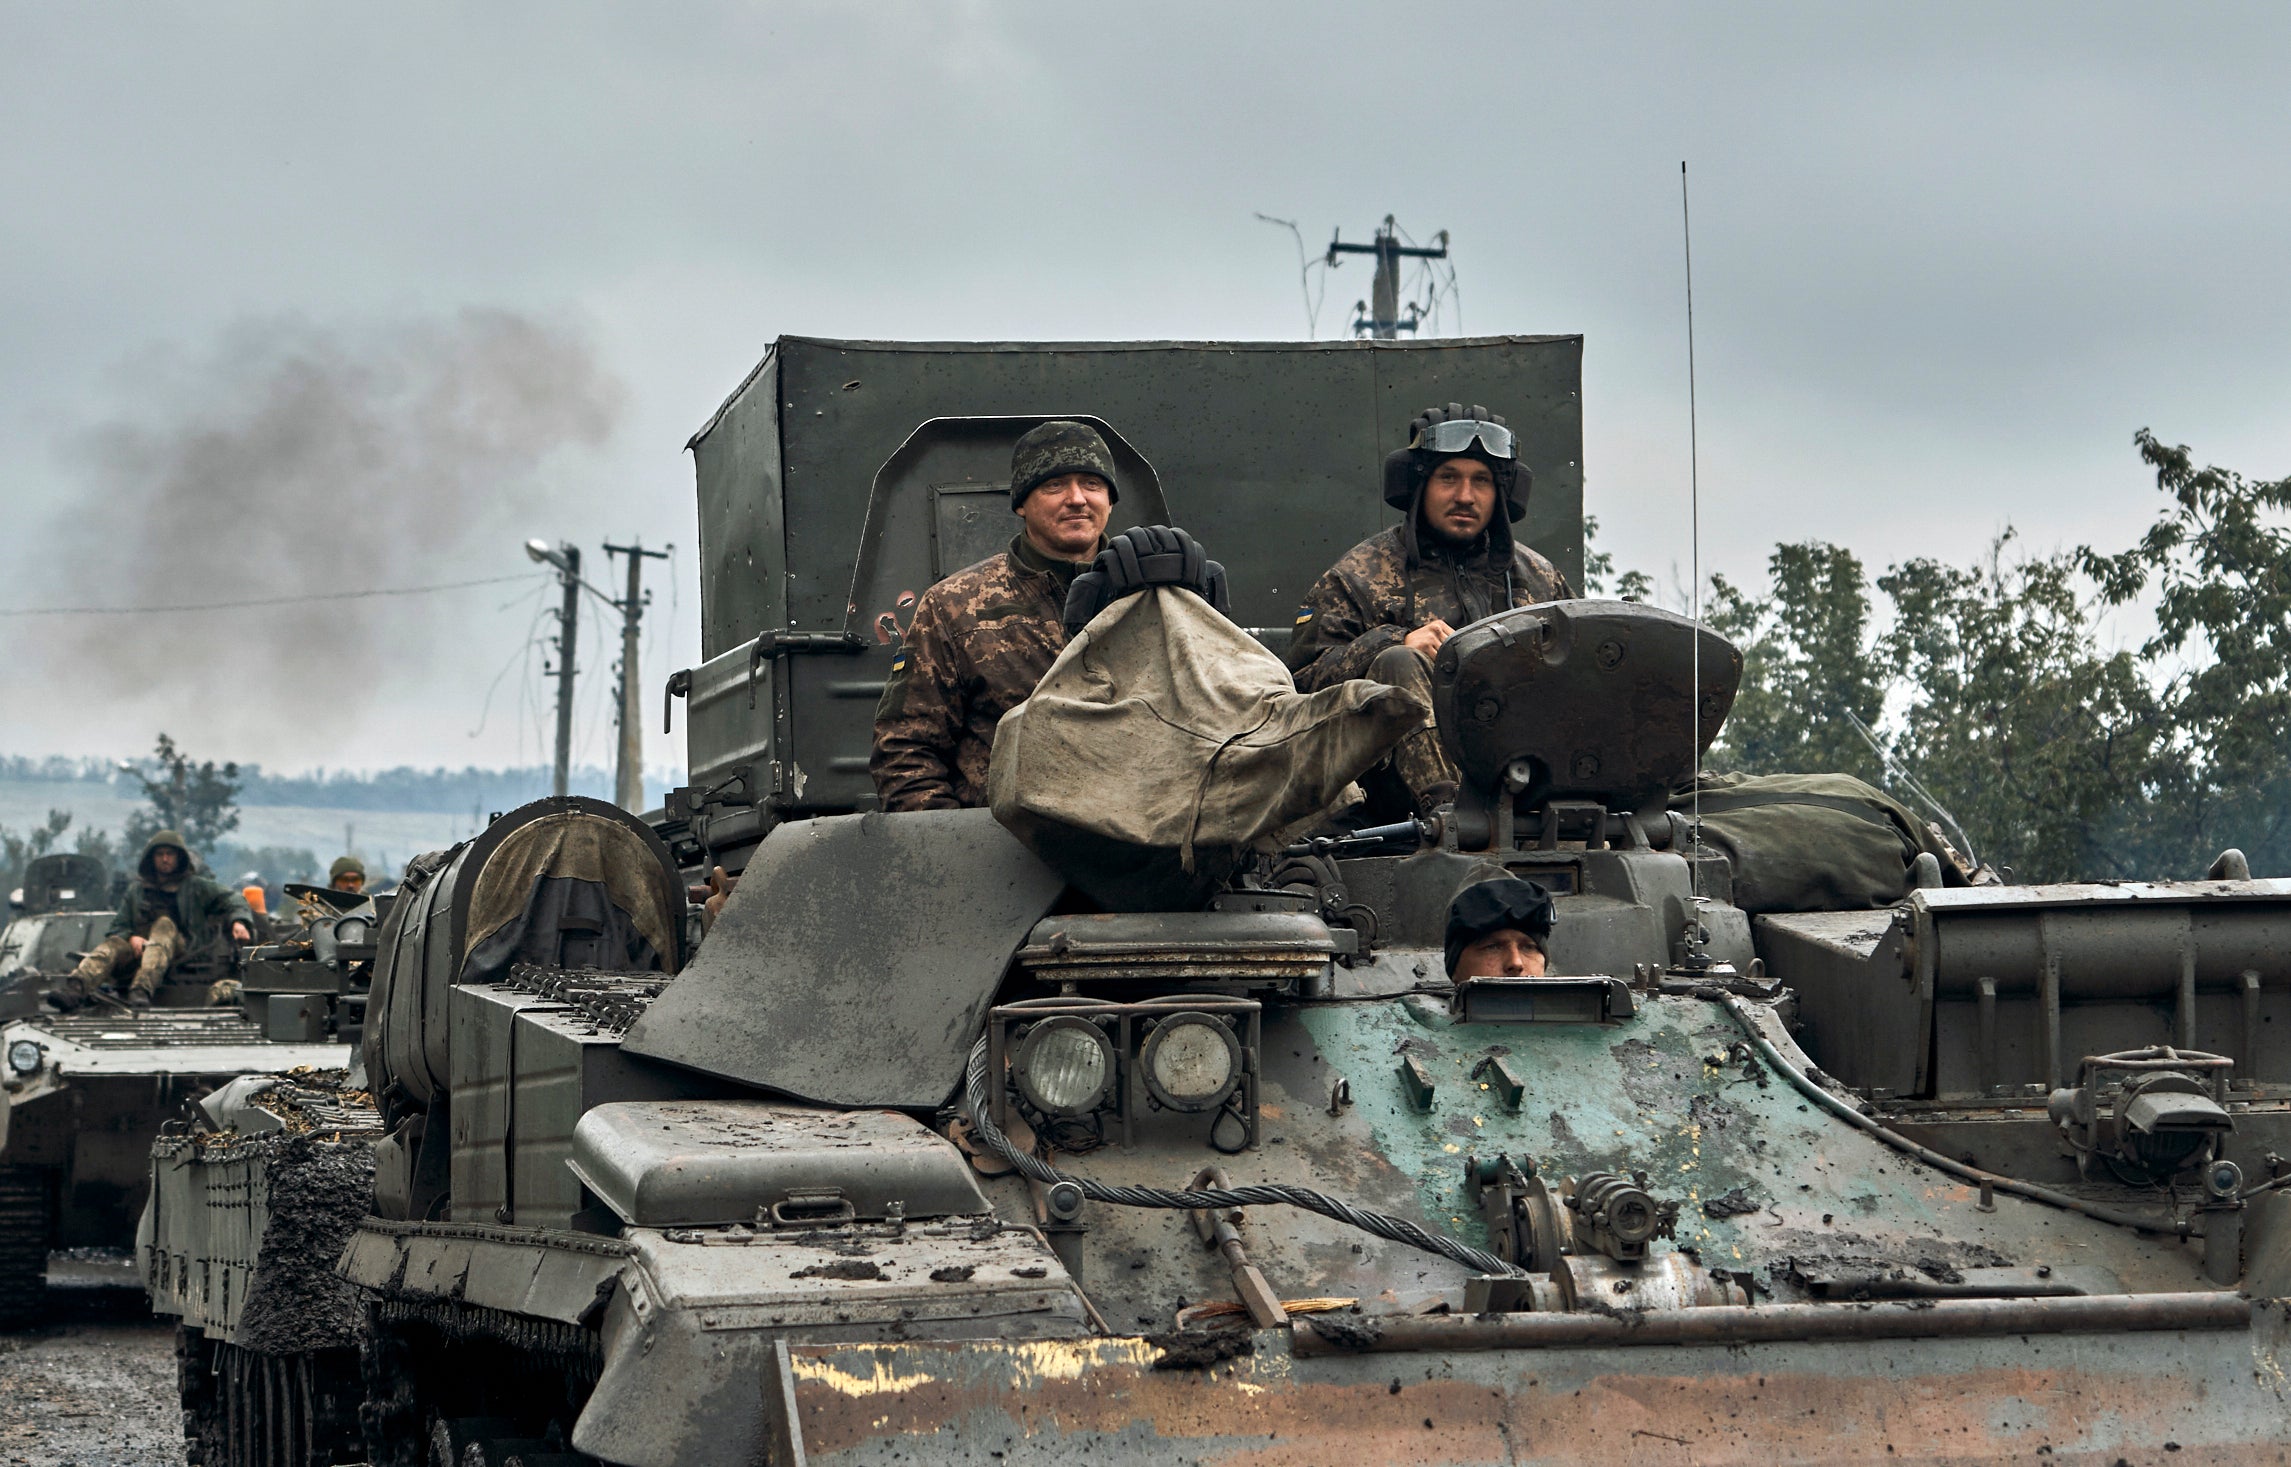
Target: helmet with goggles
(1438, 434)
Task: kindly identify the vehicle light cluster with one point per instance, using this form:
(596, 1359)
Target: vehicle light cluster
(1191, 1053)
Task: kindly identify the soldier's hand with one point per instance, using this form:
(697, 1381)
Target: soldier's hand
(241, 932)
(1428, 637)
(137, 944)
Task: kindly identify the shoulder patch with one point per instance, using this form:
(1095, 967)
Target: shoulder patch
(899, 663)
(1303, 617)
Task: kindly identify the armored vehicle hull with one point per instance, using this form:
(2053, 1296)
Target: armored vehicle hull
(924, 1157)
(248, 1211)
(83, 1095)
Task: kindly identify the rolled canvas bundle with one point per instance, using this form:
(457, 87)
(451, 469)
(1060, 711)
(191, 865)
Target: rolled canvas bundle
(1165, 743)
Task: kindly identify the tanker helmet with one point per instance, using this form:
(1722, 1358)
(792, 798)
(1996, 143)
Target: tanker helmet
(1060, 446)
(1456, 431)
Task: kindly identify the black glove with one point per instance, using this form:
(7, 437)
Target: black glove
(1150, 555)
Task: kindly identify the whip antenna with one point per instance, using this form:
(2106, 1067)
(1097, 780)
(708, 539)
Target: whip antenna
(1694, 523)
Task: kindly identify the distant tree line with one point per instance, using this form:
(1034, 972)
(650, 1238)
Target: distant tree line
(454, 791)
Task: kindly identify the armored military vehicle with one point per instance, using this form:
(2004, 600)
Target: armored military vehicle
(84, 1094)
(922, 1156)
(59, 912)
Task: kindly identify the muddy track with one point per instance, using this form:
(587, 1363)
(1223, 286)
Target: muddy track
(90, 1384)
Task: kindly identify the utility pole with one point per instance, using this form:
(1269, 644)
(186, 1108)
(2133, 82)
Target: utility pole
(628, 776)
(567, 559)
(1379, 316)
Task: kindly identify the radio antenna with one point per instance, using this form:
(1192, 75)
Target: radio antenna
(1694, 529)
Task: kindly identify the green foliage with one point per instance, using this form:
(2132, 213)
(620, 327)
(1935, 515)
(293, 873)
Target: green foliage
(2043, 745)
(1806, 665)
(2061, 757)
(2219, 560)
(198, 800)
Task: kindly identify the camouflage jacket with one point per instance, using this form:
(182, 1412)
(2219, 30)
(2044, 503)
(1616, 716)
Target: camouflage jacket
(981, 639)
(1377, 594)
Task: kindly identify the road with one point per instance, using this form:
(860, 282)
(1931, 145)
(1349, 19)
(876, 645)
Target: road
(94, 1384)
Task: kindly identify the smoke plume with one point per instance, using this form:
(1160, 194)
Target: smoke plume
(299, 460)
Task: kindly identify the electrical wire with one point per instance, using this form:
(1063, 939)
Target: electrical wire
(257, 601)
(1397, 1229)
(1305, 265)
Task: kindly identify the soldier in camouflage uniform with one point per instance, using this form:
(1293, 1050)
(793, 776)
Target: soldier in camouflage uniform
(1384, 609)
(171, 911)
(982, 638)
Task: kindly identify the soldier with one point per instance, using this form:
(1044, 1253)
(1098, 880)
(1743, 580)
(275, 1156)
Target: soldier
(171, 911)
(1498, 928)
(1383, 610)
(982, 638)
(348, 873)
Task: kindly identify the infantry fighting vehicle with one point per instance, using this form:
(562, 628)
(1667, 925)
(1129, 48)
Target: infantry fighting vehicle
(84, 1094)
(924, 1157)
(59, 912)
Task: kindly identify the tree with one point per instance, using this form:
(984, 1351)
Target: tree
(197, 800)
(2049, 750)
(2219, 559)
(1806, 665)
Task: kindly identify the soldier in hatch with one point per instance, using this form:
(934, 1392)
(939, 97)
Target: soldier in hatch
(1384, 609)
(348, 873)
(171, 911)
(982, 638)
(1499, 928)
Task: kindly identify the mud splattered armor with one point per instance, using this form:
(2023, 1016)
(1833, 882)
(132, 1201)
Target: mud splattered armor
(981, 639)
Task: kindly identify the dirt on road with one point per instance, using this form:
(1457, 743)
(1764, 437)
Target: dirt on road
(94, 1384)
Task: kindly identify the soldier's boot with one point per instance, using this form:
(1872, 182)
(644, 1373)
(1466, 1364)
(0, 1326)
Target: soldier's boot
(159, 950)
(93, 971)
(1423, 766)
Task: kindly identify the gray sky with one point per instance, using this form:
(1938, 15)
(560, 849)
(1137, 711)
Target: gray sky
(1947, 258)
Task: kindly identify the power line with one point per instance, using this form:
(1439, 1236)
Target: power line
(259, 601)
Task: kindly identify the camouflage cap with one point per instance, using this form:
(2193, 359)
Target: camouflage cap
(1060, 446)
(345, 866)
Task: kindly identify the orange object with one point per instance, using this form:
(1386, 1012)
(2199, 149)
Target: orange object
(254, 896)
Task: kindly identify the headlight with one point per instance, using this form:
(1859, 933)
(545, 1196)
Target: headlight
(24, 1056)
(1065, 1066)
(1192, 1062)
(353, 930)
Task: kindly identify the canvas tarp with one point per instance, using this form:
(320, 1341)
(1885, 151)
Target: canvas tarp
(1813, 842)
(1165, 742)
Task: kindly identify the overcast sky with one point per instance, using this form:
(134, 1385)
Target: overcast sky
(1947, 260)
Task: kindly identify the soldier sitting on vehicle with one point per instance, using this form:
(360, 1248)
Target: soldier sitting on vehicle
(982, 638)
(1498, 928)
(1383, 610)
(348, 873)
(171, 911)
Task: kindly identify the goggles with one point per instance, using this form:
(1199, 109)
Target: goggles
(1457, 435)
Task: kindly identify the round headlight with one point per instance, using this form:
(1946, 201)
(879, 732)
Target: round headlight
(352, 930)
(24, 1056)
(1192, 1062)
(1065, 1066)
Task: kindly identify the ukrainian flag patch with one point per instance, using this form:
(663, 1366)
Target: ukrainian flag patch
(898, 664)
(1303, 617)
